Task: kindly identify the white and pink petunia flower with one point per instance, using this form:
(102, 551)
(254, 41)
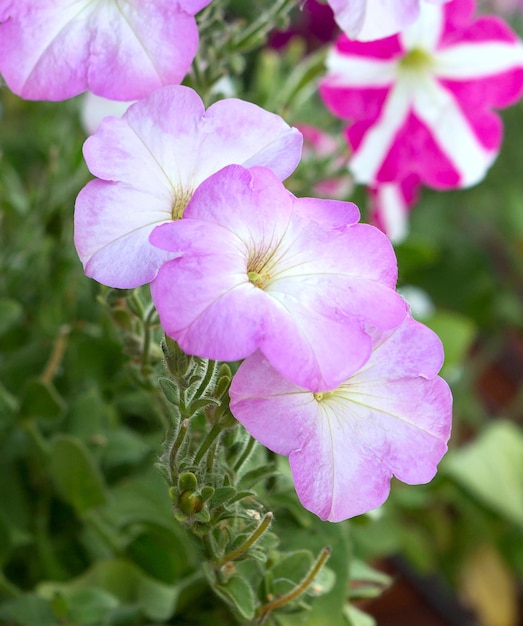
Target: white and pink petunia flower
(390, 205)
(420, 103)
(257, 268)
(56, 49)
(367, 20)
(148, 164)
(390, 418)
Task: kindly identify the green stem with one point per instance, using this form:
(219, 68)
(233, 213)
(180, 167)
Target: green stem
(147, 336)
(210, 371)
(245, 454)
(265, 22)
(298, 590)
(212, 435)
(249, 542)
(184, 427)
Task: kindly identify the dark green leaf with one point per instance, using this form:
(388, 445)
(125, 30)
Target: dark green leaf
(76, 474)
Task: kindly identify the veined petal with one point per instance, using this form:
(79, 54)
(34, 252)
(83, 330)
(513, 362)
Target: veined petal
(112, 233)
(53, 51)
(162, 148)
(299, 287)
(391, 418)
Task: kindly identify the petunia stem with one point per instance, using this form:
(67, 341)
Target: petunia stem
(212, 435)
(245, 454)
(249, 542)
(175, 447)
(298, 590)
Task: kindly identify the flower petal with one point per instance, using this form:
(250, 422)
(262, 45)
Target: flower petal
(392, 417)
(53, 51)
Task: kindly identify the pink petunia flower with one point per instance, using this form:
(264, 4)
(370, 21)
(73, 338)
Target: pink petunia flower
(392, 417)
(390, 205)
(148, 164)
(420, 103)
(56, 49)
(367, 20)
(257, 268)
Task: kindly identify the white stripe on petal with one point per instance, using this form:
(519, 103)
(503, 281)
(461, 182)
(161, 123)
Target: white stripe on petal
(426, 31)
(469, 61)
(372, 151)
(393, 211)
(451, 131)
(353, 71)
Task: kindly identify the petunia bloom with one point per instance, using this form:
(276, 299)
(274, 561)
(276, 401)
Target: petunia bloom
(392, 417)
(257, 268)
(56, 49)
(390, 205)
(367, 20)
(420, 103)
(148, 164)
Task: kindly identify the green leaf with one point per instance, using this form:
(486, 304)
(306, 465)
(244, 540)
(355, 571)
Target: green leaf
(89, 606)
(10, 313)
(491, 469)
(290, 570)
(366, 582)
(124, 581)
(355, 617)
(27, 610)
(326, 610)
(238, 594)
(40, 400)
(76, 475)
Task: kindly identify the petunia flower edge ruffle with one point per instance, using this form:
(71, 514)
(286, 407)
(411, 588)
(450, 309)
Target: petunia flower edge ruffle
(390, 418)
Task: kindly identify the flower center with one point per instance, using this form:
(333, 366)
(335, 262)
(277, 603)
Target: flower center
(180, 201)
(319, 396)
(262, 264)
(417, 60)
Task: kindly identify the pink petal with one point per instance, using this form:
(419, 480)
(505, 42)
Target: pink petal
(322, 281)
(150, 162)
(56, 50)
(392, 417)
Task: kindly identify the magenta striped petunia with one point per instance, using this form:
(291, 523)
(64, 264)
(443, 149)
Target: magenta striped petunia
(421, 103)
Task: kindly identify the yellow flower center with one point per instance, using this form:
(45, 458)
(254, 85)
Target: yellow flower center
(417, 60)
(180, 201)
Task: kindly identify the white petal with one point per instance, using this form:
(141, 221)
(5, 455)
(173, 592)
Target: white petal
(469, 61)
(426, 31)
(356, 71)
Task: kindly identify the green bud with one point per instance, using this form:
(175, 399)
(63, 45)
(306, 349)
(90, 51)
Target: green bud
(190, 503)
(187, 482)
